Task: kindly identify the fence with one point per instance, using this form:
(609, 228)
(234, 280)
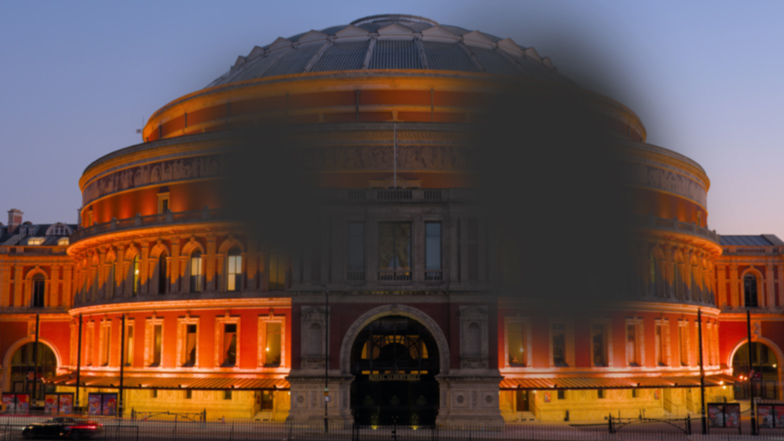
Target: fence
(157, 430)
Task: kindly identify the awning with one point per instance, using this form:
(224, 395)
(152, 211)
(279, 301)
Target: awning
(515, 383)
(173, 382)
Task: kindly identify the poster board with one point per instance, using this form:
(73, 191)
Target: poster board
(770, 415)
(17, 404)
(102, 404)
(58, 404)
(724, 415)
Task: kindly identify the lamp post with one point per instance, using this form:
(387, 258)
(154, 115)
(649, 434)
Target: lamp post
(326, 358)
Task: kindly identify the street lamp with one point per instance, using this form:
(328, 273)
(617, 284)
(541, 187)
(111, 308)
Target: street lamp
(326, 358)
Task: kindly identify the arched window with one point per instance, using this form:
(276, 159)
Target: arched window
(39, 291)
(137, 279)
(234, 270)
(162, 273)
(197, 274)
(750, 291)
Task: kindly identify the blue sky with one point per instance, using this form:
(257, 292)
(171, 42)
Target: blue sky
(78, 78)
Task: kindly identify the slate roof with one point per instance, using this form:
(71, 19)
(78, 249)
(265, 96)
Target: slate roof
(760, 240)
(390, 42)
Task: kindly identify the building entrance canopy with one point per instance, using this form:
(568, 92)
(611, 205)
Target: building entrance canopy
(613, 383)
(175, 382)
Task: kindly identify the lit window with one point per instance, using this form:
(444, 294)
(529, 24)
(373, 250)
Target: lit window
(129, 343)
(39, 291)
(234, 270)
(105, 339)
(197, 275)
(515, 343)
(394, 251)
(36, 240)
(137, 277)
(89, 344)
(599, 346)
(63, 241)
(273, 345)
(432, 250)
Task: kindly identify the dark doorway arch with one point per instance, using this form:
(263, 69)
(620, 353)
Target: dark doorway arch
(23, 369)
(763, 375)
(394, 361)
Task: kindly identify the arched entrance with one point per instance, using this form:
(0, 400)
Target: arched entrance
(764, 372)
(394, 360)
(23, 368)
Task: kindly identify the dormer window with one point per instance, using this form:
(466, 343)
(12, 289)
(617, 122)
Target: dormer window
(36, 241)
(63, 241)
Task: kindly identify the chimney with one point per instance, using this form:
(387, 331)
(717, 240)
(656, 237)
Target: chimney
(14, 219)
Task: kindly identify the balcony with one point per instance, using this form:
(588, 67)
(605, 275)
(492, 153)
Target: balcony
(153, 220)
(676, 226)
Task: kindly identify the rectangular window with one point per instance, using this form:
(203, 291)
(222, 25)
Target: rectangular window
(635, 393)
(89, 346)
(515, 344)
(197, 272)
(659, 343)
(277, 271)
(227, 395)
(561, 394)
(433, 251)
(394, 251)
(154, 393)
(558, 333)
(632, 344)
(157, 340)
(599, 350)
(229, 345)
(106, 338)
(190, 345)
(129, 339)
(356, 251)
(473, 249)
(600, 393)
(683, 342)
(233, 272)
(188, 394)
(273, 345)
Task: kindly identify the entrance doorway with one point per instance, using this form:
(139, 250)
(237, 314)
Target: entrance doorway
(23, 369)
(763, 376)
(394, 361)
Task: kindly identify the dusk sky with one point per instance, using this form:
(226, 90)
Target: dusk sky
(705, 77)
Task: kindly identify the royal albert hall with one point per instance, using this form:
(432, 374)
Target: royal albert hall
(393, 313)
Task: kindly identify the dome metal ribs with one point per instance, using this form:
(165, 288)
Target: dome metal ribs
(390, 42)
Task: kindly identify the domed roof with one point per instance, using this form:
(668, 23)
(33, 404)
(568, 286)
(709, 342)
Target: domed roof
(390, 42)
